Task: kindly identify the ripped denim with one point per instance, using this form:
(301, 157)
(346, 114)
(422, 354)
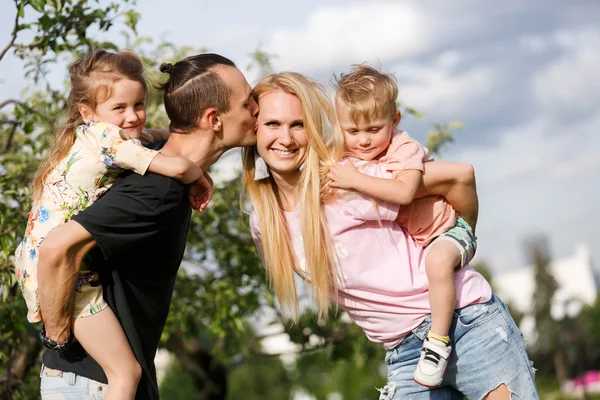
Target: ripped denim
(488, 351)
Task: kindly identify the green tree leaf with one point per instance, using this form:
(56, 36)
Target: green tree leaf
(132, 18)
(38, 5)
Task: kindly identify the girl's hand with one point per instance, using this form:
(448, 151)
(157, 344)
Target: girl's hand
(344, 176)
(200, 192)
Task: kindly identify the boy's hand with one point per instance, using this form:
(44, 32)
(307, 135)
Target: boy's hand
(200, 192)
(344, 176)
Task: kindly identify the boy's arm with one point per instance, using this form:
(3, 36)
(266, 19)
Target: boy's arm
(456, 182)
(400, 191)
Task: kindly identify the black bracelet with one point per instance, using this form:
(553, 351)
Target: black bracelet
(52, 345)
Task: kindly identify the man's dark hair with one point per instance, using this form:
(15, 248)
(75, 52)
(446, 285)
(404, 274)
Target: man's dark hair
(192, 88)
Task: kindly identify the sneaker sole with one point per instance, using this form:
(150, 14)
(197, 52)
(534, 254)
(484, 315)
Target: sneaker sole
(433, 386)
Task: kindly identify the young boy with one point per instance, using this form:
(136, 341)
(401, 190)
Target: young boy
(368, 117)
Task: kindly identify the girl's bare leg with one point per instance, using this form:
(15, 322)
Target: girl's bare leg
(102, 336)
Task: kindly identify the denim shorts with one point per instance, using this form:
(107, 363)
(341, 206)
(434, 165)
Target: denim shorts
(487, 350)
(59, 385)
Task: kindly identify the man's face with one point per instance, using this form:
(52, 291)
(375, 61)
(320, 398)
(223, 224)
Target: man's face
(239, 121)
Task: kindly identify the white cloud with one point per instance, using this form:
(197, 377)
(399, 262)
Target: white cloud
(539, 178)
(439, 89)
(563, 39)
(570, 83)
(350, 34)
(538, 151)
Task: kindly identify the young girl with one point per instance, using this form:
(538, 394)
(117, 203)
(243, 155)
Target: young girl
(84, 161)
(367, 114)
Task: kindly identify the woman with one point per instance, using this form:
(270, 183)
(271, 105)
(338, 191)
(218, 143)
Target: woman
(350, 250)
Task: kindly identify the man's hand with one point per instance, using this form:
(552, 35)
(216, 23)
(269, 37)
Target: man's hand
(200, 192)
(344, 176)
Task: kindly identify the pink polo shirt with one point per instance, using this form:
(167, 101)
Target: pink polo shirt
(427, 217)
(382, 282)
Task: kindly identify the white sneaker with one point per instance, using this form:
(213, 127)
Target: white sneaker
(433, 363)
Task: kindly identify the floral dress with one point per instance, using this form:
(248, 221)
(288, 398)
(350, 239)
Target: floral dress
(99, 154)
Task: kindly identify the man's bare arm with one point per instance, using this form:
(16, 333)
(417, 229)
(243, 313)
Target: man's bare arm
(60, 257)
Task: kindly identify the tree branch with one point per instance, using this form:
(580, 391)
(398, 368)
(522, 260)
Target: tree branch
(27, 108)
(209, 377)
(13, 35)
(10, 135)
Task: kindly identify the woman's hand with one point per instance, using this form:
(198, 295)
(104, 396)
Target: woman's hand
(200, 192)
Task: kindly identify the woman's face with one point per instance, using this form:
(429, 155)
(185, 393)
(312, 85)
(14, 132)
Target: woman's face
(280, 138)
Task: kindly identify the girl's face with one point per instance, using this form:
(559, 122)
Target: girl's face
(280, 138)
(125, 108)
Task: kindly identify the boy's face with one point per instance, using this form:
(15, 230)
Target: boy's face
(367, 139)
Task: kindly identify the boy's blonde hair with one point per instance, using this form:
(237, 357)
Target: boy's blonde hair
(367, 93)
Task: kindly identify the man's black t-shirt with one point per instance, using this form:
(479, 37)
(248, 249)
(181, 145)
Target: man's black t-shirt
(140, 226)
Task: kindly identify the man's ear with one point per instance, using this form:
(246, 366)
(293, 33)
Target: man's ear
(86, 113)
(213, 119)
(397, 118)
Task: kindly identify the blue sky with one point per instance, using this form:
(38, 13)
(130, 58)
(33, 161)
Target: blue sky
(522, 76)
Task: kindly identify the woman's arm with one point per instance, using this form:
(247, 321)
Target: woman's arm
(456, 182)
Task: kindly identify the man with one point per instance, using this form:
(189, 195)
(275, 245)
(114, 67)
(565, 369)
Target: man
(135, 235)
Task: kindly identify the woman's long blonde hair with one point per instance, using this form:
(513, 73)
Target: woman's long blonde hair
(92, 79)
(278, 250)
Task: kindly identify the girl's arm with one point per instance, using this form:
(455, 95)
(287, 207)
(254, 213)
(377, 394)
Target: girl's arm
(456, 182)
(176, 167)
(400, 191)
(118, 150)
